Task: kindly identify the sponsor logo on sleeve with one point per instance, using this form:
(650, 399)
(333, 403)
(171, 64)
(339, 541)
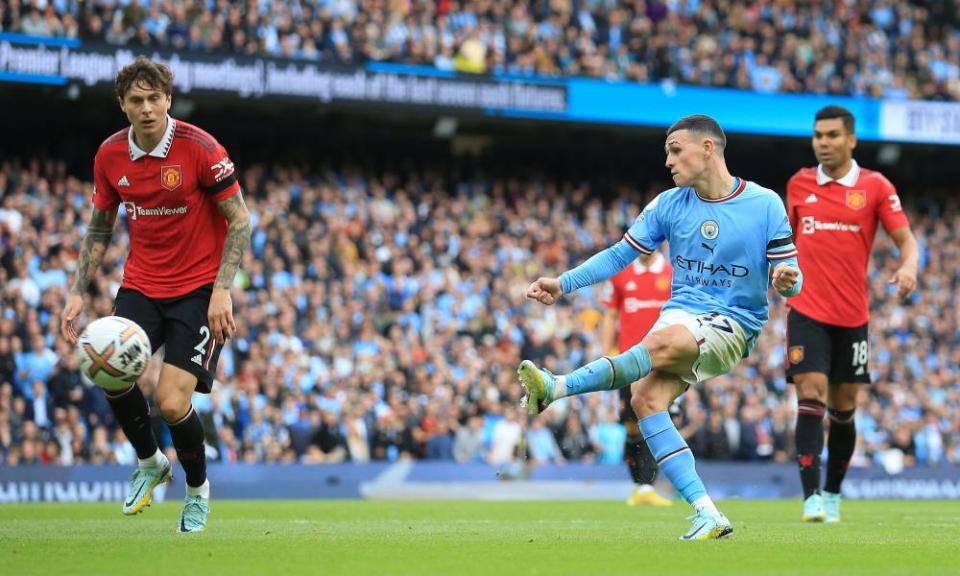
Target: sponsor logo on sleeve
(222, 169)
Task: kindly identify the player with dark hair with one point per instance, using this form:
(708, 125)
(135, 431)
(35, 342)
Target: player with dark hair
(729, 240)
(633, 298)
(189, 228)
(835, 208)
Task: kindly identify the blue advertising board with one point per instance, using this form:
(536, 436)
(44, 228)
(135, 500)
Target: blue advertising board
(445, 480)
(55, 61)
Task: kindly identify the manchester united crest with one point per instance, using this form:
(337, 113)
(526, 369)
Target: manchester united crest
(856, 199)
(796, 354)
(171, 177)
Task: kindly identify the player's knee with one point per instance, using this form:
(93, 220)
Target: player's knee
(844, 398)
(844, 404)
(662, 351)
(646, 400)
(811, 387)
(173, 407)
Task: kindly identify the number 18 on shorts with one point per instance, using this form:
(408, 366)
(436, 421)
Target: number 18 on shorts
(840, 352)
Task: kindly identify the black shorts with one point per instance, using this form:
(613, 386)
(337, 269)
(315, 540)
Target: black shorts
(842, 353)
(179, 323)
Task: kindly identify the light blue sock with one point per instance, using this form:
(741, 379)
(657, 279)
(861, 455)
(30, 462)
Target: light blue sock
(610, 373)
(673, 456)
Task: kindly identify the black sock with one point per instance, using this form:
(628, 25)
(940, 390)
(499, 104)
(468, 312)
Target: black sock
(187, 434)
(646, 463)
(133, 413)
(810, 444)
(640, 461)
(840, 443)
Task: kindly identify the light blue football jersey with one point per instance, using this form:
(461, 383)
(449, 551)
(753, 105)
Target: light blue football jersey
(721, 251)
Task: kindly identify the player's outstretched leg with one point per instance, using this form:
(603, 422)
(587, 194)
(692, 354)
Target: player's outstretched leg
(133, 413)
(608, 373)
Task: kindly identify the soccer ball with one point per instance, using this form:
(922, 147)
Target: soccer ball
(113, 352)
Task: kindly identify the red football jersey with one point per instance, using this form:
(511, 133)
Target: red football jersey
(170, 195)
(834, 223)
(638, 292)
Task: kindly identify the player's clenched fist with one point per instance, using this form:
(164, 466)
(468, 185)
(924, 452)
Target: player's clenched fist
(784, 277)
(545, 290)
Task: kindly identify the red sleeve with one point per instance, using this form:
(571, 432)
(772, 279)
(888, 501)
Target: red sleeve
(217, 176)
(888, 205)
(612, 297)
(105, 196)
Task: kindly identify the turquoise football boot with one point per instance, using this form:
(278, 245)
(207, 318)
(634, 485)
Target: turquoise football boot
(831, 507)
(193, 517)
(142, 483)
(813, 509)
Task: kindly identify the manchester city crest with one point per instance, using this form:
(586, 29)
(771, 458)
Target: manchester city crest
(710, 230)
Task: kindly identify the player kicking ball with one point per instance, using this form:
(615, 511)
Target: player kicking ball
(725, 235)
(189, 228)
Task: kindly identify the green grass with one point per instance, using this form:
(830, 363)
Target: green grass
(464, 538)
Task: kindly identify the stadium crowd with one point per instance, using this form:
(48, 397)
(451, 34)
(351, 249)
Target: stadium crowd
(382, 316)
(880, 48)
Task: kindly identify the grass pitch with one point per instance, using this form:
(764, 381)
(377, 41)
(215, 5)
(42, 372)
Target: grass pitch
(465, 538)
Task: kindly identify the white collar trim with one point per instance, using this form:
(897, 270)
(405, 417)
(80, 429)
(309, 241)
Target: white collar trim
(849, 179)
(160, 150)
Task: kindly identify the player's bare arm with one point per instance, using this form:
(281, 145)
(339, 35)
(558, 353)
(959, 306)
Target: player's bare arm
(92, 250)
(234, 209)
(906, 275)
